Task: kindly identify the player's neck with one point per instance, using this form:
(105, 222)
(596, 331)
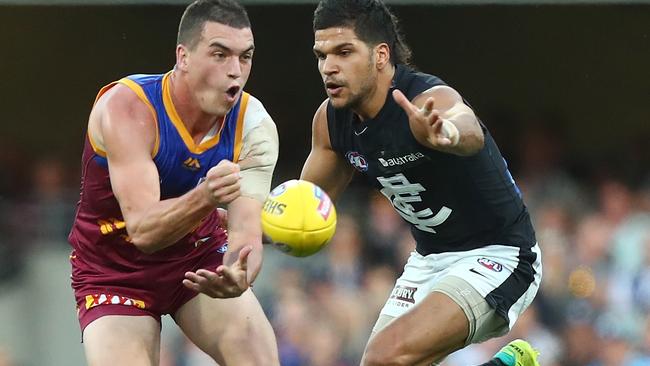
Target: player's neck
(197, 122)
(375, 100)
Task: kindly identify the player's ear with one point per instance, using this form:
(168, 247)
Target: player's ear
(181, 57)
(382, 55)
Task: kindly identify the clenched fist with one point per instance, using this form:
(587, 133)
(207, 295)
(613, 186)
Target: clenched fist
(221, 184)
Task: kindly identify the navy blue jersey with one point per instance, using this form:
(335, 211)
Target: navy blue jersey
(452, 203)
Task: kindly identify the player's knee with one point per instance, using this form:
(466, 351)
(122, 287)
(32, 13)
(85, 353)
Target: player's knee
(258, 347)
(382, 355)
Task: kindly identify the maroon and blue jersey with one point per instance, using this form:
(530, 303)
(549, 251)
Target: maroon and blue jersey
(103, 255)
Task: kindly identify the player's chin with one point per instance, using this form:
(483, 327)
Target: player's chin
(338, 102)
(219, 108)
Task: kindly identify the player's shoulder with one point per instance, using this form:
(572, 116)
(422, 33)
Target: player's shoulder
(118, 107)
(440, 92)
(256, 118)
(413, 82)
(322, 108)
(321, 111)
(411, 74)
(120, 97)
(255, 111)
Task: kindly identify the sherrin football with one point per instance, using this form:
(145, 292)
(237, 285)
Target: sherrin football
(299, 217)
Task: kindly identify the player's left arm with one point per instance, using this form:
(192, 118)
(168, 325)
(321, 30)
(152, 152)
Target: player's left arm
(243, 259)
(257, 161)
(441, 121)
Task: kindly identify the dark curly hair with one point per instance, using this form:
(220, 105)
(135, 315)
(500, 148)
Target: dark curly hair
(371, 20)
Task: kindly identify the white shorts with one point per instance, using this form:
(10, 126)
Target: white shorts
(506, 277)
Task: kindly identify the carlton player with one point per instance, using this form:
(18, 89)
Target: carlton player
(162, 152)
(477, 265)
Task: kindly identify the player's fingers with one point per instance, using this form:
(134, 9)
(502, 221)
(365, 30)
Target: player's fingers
(227, 194)
(220, 269)
(229, 197)
(427, 108)
(434, 118)
(403, 102)
(436, 124)
(223, 163)
(441, 138)
(444, 141)
(226, 189)
(225, 167)
(234, 277)
(215, 182)
(209, 275)
(198, 280)
(243, 257)
(191, 285)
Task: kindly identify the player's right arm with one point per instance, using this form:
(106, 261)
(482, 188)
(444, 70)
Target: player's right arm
(125, 128)
(324, 167)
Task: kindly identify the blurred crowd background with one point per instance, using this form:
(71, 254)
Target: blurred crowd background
(565, 90)
(592, 308)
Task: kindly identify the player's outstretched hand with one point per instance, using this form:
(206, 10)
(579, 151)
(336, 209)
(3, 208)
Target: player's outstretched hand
(438, 130)
(225, 281)
(222, 182)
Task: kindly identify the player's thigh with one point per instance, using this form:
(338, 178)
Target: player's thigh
(429, 331)
(232, 331)
(122, 340)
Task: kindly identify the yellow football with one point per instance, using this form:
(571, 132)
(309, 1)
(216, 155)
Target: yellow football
(299, 217)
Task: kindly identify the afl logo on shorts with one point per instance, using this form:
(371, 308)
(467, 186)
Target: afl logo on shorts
(490, 264)
(357, 161)
(222, 249)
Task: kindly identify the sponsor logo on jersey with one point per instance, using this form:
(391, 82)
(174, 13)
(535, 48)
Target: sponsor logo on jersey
(324, 205)
(192, 164)
(402, 194)
(400, 160)
(361, 132)
(473, 270)
(490, 264)
(108, 299)
(357, 161)
(201, 241)
(110, 225)
(404, 293)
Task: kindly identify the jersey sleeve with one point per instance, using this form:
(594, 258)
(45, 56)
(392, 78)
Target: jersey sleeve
(259, 152)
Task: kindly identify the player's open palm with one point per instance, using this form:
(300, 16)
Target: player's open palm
(222, 182)
(225, 281)
(427, 118)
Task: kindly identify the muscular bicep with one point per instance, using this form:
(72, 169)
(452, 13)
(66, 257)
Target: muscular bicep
(324, 166)
(447, 101)
(127, 129)
(451, 108)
